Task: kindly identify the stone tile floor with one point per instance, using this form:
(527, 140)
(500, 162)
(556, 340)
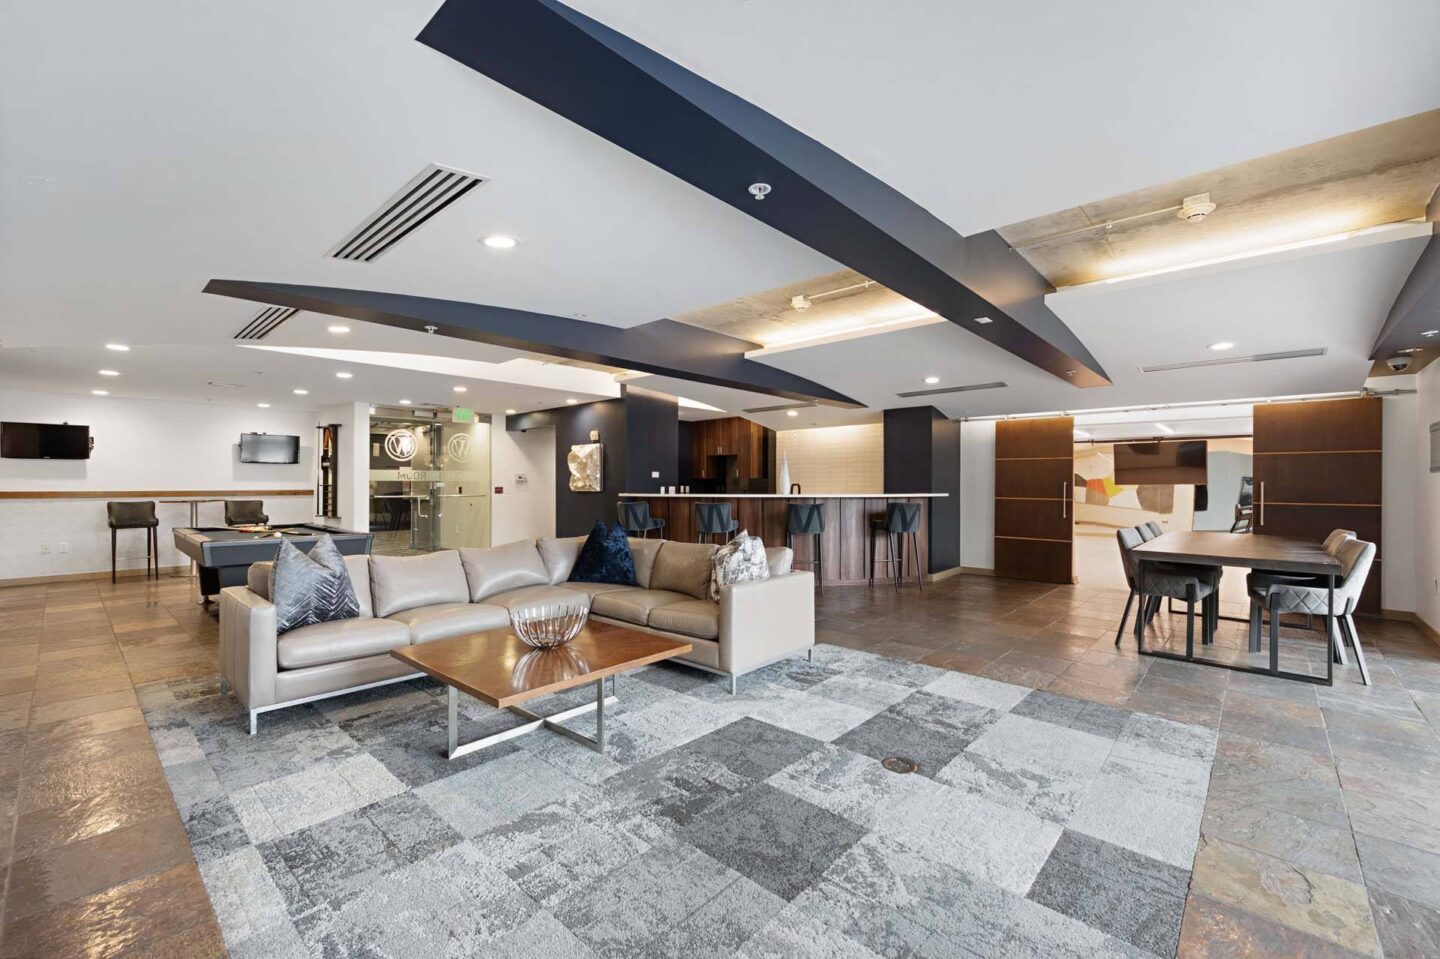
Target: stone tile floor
(1320, 833)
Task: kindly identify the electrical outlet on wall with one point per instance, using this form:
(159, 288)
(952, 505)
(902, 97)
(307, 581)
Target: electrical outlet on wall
(654, 474)
(64, 548)
(44, 547)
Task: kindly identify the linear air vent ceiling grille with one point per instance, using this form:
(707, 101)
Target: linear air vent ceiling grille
(265, 323)
(776, 409)
(1230, 360)
(941, 390)
(413, 205)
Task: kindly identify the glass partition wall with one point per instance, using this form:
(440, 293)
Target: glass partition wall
(429, 483)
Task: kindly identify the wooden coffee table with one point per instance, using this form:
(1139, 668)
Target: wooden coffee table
(497, 668)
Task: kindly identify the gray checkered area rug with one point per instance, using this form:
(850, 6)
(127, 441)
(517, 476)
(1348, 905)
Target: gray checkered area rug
(762, 824)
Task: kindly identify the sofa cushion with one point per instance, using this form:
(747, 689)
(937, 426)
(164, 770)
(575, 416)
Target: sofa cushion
(257, 577)
(541, 596)
(491, 571)
(644, 552)
(591, 590)
(338, 641)
(695, 617)
(683, 568)
(428, 623)
(406, 582)
(634, 605)
(742, 560)
(559, 556)
(780, 559)
(605, 557)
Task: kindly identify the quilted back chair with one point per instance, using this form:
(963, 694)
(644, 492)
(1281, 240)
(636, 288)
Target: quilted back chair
(1128, 540)
(713, 519)
(1336, 537)
(1154, 529)
(1146, 533)
(1355, 556)
(636, 518)
(245, 512)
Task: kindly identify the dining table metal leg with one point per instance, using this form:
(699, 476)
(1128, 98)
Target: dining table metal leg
(1330, 614)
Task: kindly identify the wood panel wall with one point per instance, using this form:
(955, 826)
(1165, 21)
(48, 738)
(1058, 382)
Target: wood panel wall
(1034, 500)
(847, 529)
(1318, 468)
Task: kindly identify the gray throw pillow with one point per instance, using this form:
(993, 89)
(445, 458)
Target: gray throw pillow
(311, 589)
(742, 560)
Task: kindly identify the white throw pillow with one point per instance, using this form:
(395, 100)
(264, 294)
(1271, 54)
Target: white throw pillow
(742, 560)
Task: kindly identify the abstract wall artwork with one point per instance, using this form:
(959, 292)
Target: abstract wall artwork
(587, 468)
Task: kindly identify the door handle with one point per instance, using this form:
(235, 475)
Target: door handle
(1262, 502)
(1064, 500)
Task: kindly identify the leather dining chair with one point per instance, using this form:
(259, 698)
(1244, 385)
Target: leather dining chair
(135, 515)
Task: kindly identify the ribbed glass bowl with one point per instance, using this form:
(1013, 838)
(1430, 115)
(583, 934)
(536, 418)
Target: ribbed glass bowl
(548, 626)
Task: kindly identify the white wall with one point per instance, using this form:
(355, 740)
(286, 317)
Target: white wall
(977, 495)
(353, 498)
(529, 512)
(1426, 523)
(139, 445)
(834, 459)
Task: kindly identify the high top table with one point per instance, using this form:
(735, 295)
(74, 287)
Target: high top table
(1275, 554)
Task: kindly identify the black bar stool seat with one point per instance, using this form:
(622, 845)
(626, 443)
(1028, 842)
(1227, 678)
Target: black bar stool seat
(808, 519)
(135, 515)
(713, 519)
(636, 518)
(901, 520)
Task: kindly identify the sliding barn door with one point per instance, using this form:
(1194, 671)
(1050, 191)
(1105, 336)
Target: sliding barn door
(1034, 499)
(1317, 468)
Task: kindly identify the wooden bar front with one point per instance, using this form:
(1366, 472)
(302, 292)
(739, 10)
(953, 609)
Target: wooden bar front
(847, 529)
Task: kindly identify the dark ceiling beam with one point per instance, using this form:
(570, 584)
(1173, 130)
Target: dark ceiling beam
(719, 143)
(664, 347)
(1416, 309)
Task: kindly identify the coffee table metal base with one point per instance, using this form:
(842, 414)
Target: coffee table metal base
(536, 721)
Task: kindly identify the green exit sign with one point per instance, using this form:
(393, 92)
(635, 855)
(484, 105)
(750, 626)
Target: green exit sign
(461, 414)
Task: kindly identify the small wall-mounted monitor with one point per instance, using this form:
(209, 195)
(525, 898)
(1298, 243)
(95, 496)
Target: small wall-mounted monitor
(44, 441)
(269, 448)
(1163, 463)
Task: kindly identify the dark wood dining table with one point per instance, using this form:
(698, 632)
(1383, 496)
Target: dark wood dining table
(1275, 554)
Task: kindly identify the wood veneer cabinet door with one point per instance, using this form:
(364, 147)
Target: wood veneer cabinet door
(1034, 499)
(1317, 469)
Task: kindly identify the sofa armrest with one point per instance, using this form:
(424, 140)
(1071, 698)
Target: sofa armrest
(766, 620)
(248, 660)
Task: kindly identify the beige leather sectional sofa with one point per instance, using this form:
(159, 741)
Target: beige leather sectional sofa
(405, 600)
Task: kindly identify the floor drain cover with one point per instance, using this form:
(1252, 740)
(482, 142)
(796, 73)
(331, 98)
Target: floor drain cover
(899, 764)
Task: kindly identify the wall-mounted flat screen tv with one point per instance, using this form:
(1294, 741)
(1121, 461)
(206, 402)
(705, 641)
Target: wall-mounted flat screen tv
(44, 441)
(1163, 463)
(269, 448)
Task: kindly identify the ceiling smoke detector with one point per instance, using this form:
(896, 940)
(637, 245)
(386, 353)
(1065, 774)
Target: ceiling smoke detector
(800, 303)
(1194, 209)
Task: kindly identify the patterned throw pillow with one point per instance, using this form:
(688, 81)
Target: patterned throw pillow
(311, 589)
(605, 558)
(742, 560)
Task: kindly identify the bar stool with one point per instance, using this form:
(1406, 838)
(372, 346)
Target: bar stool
(901, 520)
(713, 519)
(134, 515)
(807, 519)
(636, 518)
(245, 512)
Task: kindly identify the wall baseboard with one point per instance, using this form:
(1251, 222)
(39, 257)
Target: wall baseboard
(174, 572)
(944, 574)
(976, 571)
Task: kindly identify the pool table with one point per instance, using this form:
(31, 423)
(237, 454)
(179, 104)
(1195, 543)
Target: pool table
(224, 554)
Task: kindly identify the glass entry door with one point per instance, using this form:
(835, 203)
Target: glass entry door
(429, 485)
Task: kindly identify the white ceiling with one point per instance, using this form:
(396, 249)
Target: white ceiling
(179, 142)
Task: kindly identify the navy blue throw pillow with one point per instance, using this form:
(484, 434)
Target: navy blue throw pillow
(605, 558)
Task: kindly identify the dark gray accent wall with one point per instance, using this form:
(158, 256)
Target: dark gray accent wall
(639, 433)
(922, 455)
(685, 459)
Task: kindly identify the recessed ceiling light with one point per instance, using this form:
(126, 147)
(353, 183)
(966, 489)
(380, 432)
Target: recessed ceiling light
(1412, 349)
(509, 412)
(1164, 429)
(343, 375)
(792, 413)
(1222, 345)
(101, 392)
(263, 406)
(571, 402)
(108, 372)
(338, 328)
(301, 392)
(458, 389)
(404, 402)
(983, 319)
(932, 380)
(1081, 435)
(1431, 333)
(117, 347)
(499, 241)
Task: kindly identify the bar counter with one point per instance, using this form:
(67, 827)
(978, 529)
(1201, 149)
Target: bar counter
(847, 526)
